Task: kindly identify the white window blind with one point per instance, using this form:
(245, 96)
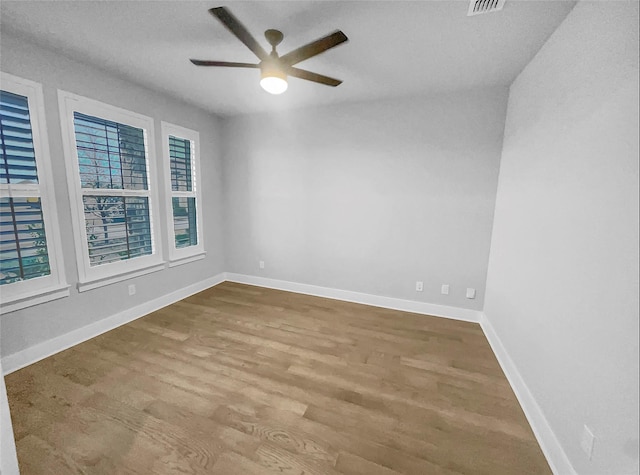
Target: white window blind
(112, 156)
(184, 201)
(18, 154)
(23, 246)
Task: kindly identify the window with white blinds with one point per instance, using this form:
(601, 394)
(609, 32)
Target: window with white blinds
(108, 151)
(112, 156)
(29, 237)
(23, 240)
(183, 199)
(181, 151)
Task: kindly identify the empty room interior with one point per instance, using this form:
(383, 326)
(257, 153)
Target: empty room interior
(319, 237)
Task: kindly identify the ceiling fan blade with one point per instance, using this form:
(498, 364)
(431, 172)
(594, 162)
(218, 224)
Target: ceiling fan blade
(314, 48)
(315, 77)
(202, 62)
(238, 29)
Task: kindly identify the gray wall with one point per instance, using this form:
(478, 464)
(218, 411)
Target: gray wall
(368, 197)
(562, 289)
(25, 328)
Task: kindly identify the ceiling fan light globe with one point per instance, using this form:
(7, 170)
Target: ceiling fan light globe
(272, 78)
(273, 84)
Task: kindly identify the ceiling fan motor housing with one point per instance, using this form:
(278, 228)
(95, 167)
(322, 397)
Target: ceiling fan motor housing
(272, 68)
(274, 37)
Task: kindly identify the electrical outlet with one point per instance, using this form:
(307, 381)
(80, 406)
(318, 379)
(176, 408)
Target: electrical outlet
(586, 441)
(445, 289)
(261, 264)
(132, 289)
(471, 293)
(419, 286)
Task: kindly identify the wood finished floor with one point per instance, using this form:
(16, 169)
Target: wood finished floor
(244, 380)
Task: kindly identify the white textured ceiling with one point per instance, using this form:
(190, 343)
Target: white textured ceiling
(396, 48)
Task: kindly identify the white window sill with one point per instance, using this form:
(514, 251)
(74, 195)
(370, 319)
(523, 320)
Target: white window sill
(97, 283)
(34, 298)
(185, 260)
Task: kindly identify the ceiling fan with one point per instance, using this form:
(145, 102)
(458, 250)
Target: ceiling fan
(274, 69)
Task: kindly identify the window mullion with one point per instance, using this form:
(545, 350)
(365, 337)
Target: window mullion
(114, 192)
(183, 194)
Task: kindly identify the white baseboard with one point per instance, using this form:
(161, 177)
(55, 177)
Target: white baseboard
(15, 361)
(412, 306)
(47, 348)
(553, 451)
(8, 457)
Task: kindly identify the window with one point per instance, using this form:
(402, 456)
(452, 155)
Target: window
(30, 255)
(109, 157)
(181, 153)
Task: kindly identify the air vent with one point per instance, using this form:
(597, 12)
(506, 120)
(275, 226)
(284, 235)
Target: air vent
(477, 7)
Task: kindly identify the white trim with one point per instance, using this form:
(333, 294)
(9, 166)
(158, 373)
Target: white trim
(35, 297)
(15, 292)
(424, 308)
(187, 260)
(553, 451)
(69, 103)
(15, 361)
(8, 456)
(176, 255)
(83, 287)
(47, 348)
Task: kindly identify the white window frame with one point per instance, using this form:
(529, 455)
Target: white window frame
(187, 254)
(91, 277)
(38, 290)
